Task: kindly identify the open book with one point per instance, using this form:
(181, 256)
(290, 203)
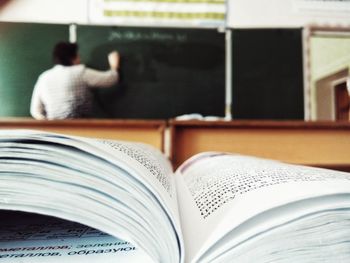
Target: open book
(122, 202)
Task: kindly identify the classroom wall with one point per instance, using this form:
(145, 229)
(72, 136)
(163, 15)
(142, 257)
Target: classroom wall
(42, 11)
(241, 13)
(45, 11)
(328, 55)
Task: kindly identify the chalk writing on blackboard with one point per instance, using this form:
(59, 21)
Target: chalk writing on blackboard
(153, 35)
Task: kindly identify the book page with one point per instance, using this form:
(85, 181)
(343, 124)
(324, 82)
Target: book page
(34, 238)
(125, 189)
(218, 192)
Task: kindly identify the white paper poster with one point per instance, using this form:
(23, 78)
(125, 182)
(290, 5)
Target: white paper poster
(323, 7)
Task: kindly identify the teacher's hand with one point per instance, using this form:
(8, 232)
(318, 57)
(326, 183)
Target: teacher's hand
(114, 60)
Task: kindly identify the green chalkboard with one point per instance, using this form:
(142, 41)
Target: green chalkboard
(267, 74)
(165, 72)
(25, 52)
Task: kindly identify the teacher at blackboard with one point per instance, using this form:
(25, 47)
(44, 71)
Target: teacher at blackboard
(63, 92)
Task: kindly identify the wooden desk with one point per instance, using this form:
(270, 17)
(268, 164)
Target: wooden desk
(146, 131)
(322, 144)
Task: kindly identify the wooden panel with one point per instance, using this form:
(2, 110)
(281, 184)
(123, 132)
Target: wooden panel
(317, 144)
(150, 131)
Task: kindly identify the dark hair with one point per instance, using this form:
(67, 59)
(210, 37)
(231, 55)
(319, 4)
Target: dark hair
(64, 53)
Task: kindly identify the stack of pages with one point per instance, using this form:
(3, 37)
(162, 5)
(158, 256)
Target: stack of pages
(73, 199)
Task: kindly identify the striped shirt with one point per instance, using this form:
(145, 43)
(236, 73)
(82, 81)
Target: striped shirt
(63, 91)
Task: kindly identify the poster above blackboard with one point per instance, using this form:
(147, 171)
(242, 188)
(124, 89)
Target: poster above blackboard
(204, 13)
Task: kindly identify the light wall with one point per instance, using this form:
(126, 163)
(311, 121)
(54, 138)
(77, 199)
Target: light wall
(240, 13)
(44, 11)
(328, 56)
